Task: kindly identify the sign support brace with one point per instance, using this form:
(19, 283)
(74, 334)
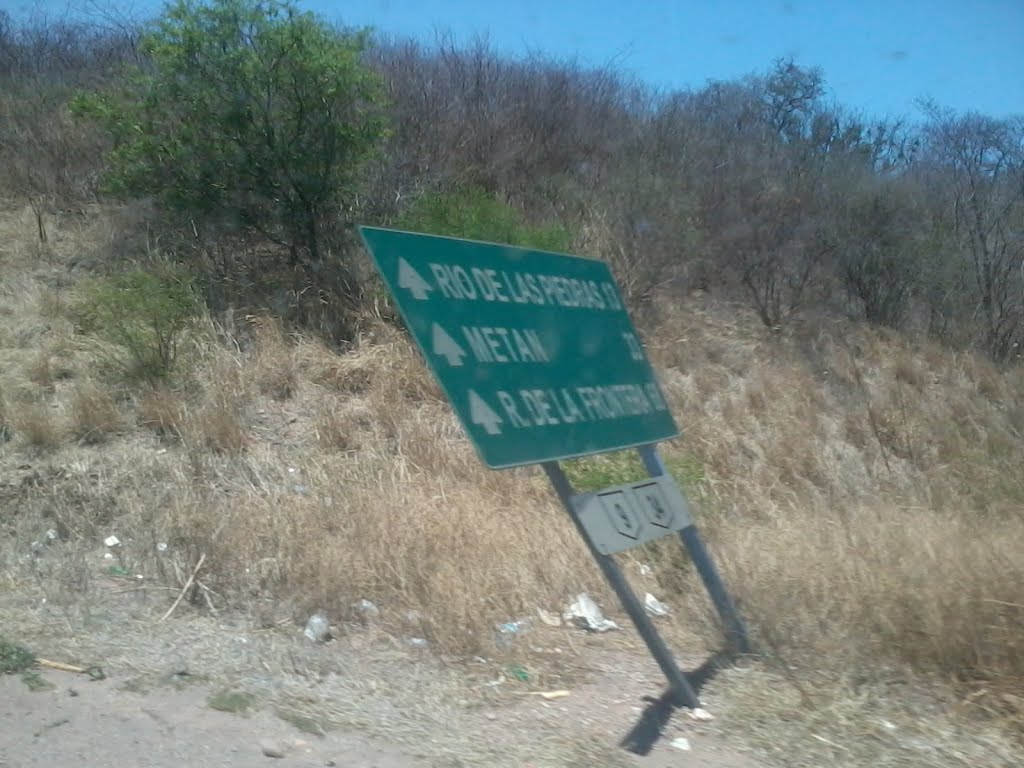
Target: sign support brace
(682, 692)
(735, 629)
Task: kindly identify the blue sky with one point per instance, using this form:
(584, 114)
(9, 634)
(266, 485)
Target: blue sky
(876, 56)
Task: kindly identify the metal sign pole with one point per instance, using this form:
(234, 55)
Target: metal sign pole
(736, 630)
(681, 690)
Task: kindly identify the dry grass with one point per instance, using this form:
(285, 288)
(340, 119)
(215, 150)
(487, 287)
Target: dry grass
(326, 530)
(273, 368)
(38, 426)
(929, 589)
(850, 722)
(162, 411)
(94, 415)
(217, 426)
(339, 424)
(40, 370)
(861, 492)
(52, 304)
(874, 513)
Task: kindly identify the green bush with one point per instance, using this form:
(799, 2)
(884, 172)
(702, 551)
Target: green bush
(471, 213)
(248, 113)
(592, 473)
(143, 313)
(14, 657)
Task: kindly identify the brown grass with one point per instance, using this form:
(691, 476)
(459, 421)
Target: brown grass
(52, 304)
(823, 527)
(218, 427)
(909, 371)
(863, 500)
(337, 537)
(37, 425)
(162, 411)
(867, 527)
(273, 366)
(341, 425)
(40, 370)
(94, 415)
(929, 589)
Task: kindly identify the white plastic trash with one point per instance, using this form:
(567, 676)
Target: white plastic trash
(318, 628)
(586, 614)
(366, 612)
(654, 606)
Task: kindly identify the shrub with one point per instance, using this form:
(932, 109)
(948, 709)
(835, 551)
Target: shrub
(880, 262)
(14, 657)
(246, 112)
(473, 214)
(143, 313)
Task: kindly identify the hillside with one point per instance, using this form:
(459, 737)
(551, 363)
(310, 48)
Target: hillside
(859, 489)
(213, 424)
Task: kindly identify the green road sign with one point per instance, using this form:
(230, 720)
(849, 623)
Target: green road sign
(535, 351)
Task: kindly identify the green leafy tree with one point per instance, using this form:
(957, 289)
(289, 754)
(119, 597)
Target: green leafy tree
(248, 112)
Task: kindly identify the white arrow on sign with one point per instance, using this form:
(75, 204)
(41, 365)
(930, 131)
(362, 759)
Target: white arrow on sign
(481, 413)
(410, 278)
(446, 346)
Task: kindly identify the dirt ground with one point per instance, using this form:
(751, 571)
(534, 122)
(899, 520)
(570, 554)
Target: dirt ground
(204, 689)
(362, 699)
(98, 723)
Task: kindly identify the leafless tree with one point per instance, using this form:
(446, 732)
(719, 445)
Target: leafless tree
(984, 160)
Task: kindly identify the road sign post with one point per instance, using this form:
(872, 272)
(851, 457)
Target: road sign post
(735, 628)
(683, 693)
(540, 361)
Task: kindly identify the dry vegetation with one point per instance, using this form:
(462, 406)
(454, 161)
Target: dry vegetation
(853, 453)
(860, 489)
